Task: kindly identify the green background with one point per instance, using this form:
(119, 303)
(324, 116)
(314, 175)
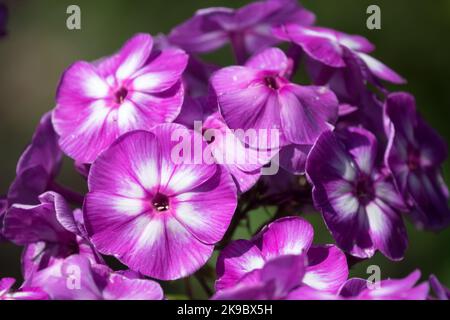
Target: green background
(413, 41)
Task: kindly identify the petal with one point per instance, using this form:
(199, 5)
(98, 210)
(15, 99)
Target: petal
(286, 272)
(85, 136)
(236, 260)
(246, 103)
(43, 150)
(161, 73)
(153, 109)
(387, 230)
(185, 172)
(320, 44)
(272, 59)
(81, 83)
(380, 70)
(133, 55)
(70, 279)
(306, 112)
(206, 211)
(293, 158)
(201, 33)
(329, 161)
(327, 268)
(362, 146)
(129, 168)
(159, 247)
(24, 224)
(353, 287)
(122, 288)
(285, 236)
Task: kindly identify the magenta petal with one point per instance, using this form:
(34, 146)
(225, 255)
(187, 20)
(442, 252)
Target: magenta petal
(272, 59)
(206, 211)
(70, 279)
(380, 70)
(24, 224)
(244, 101)
(181, 174)
(161, 73)
(319, 44)
(235, 261)
(285, 271)
(201, 33)
(120, 287)
(315, 108)
(112, 174)
(286, 236)
(133, 55)
(327, 268)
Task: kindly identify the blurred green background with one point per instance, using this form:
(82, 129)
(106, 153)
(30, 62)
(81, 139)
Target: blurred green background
(39, 47)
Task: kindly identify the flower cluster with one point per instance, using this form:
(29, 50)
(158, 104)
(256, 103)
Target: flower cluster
(175, 152)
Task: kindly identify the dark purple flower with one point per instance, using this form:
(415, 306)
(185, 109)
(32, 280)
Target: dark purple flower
(38, 165)
(25, 293)
(282, 252)
(133, 89)
(332, 48)
(76, 278)
(248, 29)
(440, 291)
(395, 289)
(415, 155)
(359, 202)
(259, 97)
(159, 216)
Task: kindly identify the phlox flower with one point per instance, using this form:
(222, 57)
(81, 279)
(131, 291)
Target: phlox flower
(280, 263)
(159, 216)
(137, 88)
(258, 96)
(415, 155)
(358, 200)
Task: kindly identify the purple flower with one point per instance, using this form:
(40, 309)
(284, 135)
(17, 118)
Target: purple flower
(358, 201)
(395, 289)
(257, 96)
(25, 293)
(415, 155)
(49, 230)
(280, 254)
(75, 278)
(133, 89)
(38, 165)
(440, 291)
(332, 48)
(160, 216)
(248, 29)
